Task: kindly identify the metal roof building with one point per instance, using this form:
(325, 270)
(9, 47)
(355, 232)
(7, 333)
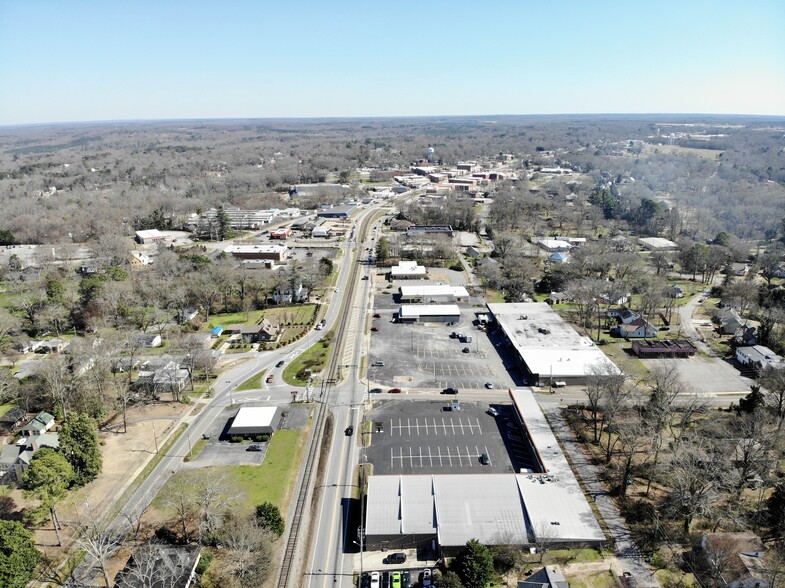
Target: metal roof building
(254, 420)
(414, 510)
(548, 347)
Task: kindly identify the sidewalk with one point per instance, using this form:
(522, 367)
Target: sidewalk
(626, 551)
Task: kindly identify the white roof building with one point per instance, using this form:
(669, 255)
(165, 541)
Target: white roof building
(254, 420)
(429, 312)
(546, 345)
(553, 244)
(407, 270)
(262, 251)
(657, 243)
(433, 293)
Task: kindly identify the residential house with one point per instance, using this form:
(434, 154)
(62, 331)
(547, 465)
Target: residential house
(157, 565)
(138, 260)
(547, 577)
(125, 364)
(12, 419)
(263, 331)
(674, 291)
(557, 298)
(737, 558)
(288, 295)
(15, 459)
(39, 425)
(400, 225)
(162, 376)
(624, 315)
(473, 252)
(730, 322)
(637, 329)
(148, 340)
(738, 269)
(52, 346)
(186, 315)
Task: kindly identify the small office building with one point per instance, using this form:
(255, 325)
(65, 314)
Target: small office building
(254, 420)
(433, 294)
(429, 313)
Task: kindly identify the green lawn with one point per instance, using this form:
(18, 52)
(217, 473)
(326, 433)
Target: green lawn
(273, 481)
(4, 408)
(253, 383)
(284, 315)
(604, 579)
(317, 354)
(232, 318)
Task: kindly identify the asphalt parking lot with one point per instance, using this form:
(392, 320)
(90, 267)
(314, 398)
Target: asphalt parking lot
(223, 453)
(421, 437)
(423, 355)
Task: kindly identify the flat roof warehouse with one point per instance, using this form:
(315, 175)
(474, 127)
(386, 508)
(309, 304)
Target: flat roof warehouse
(548, 347)
(407, 511)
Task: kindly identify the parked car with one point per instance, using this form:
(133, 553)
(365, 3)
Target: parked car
(489, 385)
(206, 437)
(269, 378)
(377, 315)
(375, 329)
(426, 578)
(484, 459)
(450, 391)
(280, 363)
(254, 448)
(375, 390)
(493, 412)
(406, 579)
(385, 579)
(466, 350)
(375, 580)
(378, 363)
(395, 580)
(349, 431)
(394, 390)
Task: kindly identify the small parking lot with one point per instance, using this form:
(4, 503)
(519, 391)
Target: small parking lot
(424, 355)
(421, 437)
(223, 453)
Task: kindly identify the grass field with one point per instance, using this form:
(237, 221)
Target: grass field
(253, 383)
(284, 315)
(273, 481)
(604, 579)
(317, 353)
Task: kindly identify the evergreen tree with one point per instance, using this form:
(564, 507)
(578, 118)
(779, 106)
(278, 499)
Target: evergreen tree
(18, 555)
(47, 480)
(382, 249)
(79, 445)
(775, 507)
(269, 517)
(474, 565)
(752, 401)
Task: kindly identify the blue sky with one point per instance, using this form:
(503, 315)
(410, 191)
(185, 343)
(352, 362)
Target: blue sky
(81, 60)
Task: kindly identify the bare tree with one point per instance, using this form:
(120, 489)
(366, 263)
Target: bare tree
(58, 381)
(179, 499)
(249, 553)
(152, 566)
(545, 536)
(99, 541)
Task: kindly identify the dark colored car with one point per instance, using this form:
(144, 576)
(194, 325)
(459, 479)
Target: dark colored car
(450, 391)
(377, 315)
(375, 390)
(484, 459)
(396, 558)
(386, 580)
(254, 448)
(374, 329)
(280, 363)
(349, 431)
(394, 390)
(269, 378)
(466, 350)
(406, 579)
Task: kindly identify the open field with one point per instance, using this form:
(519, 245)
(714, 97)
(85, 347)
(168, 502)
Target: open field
(316, 355)
(679, 150)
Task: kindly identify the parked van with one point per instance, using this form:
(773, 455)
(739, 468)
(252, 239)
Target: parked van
(396, 558)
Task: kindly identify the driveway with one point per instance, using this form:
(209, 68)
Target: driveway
(628, 554)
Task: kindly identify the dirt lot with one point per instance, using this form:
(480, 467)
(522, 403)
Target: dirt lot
(124, 455)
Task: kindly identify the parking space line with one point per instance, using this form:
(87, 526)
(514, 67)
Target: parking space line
(449, 456)
(430, 457)
(421, 456)
(468, 457)
(460, 422)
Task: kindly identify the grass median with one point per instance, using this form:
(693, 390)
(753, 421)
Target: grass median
(314, 358)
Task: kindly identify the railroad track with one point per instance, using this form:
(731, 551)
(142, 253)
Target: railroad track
(333, 371)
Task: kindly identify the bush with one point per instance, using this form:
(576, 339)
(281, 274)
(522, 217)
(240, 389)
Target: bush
(235, 439)
(259, 438)
(264, 437)
(204, 562)
(457, 267)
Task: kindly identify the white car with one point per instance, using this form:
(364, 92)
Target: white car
(426, 578)
(374, 579)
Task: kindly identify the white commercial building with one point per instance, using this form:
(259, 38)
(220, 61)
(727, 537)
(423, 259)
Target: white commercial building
(254, 420)
(429, 313)
(407, 270)
(515, 509)
(433, 294)
(547, 347)
(264, 251)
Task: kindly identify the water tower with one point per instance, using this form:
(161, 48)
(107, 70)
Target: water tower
(430, 155)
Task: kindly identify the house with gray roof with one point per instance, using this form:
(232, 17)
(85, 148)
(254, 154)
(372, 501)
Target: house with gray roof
(40, 424)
